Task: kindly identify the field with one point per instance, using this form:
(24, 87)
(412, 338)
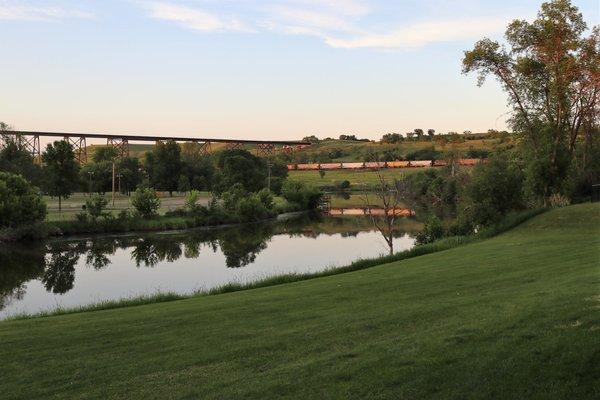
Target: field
(515, 316)
(357, 151)
(73, 205)
(359, 179)
(341, 150)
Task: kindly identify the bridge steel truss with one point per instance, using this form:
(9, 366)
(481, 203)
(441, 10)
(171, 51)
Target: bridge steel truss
(79, 148)
(30, 140)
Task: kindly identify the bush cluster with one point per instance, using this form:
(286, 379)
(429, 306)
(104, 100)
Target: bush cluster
(302, 196)
(20, 202)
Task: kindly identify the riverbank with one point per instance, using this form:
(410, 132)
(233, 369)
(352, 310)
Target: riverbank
(509, 317)
(508, 223)
(129, 224)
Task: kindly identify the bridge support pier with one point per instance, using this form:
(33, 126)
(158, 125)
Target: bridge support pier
(79, 148)
(122, 146)
(31, 144)
(235, 146)
(265, 149)
(205, 148)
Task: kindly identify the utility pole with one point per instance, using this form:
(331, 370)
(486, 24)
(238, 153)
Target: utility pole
(269, 174)
(113, 184)
(90, 173)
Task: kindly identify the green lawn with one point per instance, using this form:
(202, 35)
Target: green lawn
(357, 178)
(515, 316)
(72, 206)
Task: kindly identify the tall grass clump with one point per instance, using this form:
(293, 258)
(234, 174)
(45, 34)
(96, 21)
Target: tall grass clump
(105, 305)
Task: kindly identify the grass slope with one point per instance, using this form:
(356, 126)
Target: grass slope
(515, 316)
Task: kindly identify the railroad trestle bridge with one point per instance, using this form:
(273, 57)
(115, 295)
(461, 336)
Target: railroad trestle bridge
(30, 140)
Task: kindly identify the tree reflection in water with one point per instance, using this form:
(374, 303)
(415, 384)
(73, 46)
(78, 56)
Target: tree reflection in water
(18, 265)
(240, 245)
(59, 276)
(53, 262)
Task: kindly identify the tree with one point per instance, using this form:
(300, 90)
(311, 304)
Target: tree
(241, 167)
(164, 166)
(96, 177)
(60, 170)
(419, 133)
(551, 75)
(311, 139)
(105, 154)
(389, 196)
(95, 205)
(494, 190)
(303, 196)
(14, 158)
(183, 185)
(198, 167)
(146, 202)
(431, 132)
(20, 202)
(130, 171)
(391, 138)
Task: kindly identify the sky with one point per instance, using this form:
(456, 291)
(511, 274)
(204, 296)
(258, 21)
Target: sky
(251, 69)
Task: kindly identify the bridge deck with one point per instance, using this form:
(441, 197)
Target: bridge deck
(151, 138)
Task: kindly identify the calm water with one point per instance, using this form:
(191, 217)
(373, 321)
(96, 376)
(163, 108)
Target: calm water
(69, 273)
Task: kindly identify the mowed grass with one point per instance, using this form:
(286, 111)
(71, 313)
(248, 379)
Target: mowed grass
(357, 178)
(515, 316)
(73, 205)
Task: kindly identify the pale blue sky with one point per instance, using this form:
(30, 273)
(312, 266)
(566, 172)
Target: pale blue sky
(250, 68)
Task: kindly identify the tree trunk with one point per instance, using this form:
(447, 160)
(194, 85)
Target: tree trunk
(59, 204)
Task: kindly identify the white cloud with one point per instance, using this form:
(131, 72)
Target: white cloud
(302, 18)
(195, 19)
(424, 33)
(340, 7)
(349, 24)
(14, 11)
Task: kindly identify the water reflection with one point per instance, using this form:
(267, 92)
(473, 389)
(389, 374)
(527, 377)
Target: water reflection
(47, 271)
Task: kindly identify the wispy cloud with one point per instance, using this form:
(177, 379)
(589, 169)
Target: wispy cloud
(10, 10)
(424, 33)
(349, 24)
(195, 18)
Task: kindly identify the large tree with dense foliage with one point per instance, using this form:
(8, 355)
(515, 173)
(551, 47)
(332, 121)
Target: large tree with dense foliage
(551, 73)
(197, 167)
(240, 167)
(14, 158)
(20, 202)
(495, 188)
(105, 153)
(164, 166)
(61, 171)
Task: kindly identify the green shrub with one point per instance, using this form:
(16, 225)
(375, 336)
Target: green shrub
(343, 185)
(305, 197)
(20, 202)
(95, 205)
(146, 202)
(243, 206)
(266, 199)
(191, 201)
(495, 189)
(432, 231)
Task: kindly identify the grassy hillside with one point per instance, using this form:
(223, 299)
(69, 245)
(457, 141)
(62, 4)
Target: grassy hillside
(516, 316)
(359, 179)
(340, 150)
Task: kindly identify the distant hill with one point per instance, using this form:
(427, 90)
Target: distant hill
(347, 150)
